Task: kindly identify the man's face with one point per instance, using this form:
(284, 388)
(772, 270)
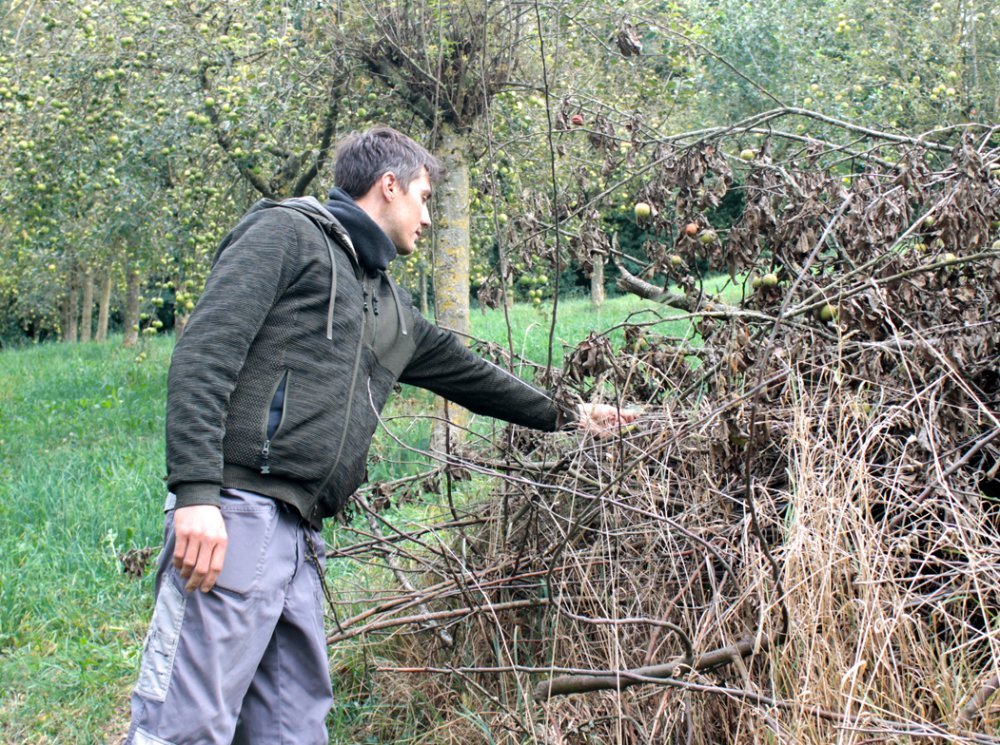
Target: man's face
(407, 214)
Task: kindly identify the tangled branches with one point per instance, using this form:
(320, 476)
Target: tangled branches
(798, 540)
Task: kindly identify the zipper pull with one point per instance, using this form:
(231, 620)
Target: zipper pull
(265, 467)
(364, 295)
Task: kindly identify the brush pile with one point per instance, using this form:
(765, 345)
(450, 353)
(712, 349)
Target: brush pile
(799, 541)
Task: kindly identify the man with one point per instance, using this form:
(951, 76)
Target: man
(273, 397)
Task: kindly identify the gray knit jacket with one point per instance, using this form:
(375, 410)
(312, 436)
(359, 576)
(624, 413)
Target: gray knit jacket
(290, 324)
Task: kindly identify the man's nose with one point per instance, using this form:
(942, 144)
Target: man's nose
(425, 216)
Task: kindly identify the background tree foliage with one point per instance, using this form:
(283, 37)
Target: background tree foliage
(134, 134)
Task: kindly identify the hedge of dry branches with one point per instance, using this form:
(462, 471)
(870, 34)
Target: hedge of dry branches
(800, 539)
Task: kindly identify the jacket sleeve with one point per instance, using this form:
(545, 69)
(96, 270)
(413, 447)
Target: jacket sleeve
(444, 365)
(250, 270)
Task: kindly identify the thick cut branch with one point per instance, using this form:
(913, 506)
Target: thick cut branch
(628, 282)
(971, 710)
(567, 684)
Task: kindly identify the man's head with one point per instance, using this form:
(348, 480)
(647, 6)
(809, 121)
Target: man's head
(362, 157)
(390, 177)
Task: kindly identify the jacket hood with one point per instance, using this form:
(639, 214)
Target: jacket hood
(315, 211)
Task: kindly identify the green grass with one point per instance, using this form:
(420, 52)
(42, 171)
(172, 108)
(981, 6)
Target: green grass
(575, 320)
(81, 469)
(81, 437)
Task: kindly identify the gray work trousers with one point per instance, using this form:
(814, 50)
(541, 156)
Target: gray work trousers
(245, 662)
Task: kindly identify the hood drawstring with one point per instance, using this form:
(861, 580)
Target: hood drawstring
(333, 287)
(348, 244)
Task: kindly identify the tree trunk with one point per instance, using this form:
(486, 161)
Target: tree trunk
(597, 294)
(451, 264)
(104, 306)
(425, 306)
(87, 307)
(69, 307)
(73, 313)
(64, 317)
(131, 319)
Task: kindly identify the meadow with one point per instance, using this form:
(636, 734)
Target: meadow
(81, 482)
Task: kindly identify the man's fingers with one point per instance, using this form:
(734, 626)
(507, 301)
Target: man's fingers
(189, 564)
(180, 547)
(214, 566)
(604, 415)
(603, 420)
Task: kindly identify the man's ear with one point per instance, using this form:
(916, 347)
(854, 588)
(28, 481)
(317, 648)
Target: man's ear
(389, 185)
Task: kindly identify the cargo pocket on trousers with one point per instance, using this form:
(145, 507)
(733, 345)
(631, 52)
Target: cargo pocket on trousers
(161, 643)
(249, 528)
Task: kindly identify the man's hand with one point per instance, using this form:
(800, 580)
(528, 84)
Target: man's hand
(200, 546)
(603, 420)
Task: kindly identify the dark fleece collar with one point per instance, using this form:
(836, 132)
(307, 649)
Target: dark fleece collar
(373, 246)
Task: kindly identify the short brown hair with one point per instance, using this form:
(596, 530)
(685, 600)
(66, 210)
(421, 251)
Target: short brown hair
(363, 157)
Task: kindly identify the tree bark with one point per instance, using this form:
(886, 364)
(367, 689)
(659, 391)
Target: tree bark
(64, 318)
(630, 283)
(71, 329)
(425, 306)
(597, 293)
(451, 263)
(74, 317)
(131, 319)
(104, 306)
(87, 307)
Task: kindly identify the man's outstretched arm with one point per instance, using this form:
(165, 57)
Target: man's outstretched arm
(444, 365)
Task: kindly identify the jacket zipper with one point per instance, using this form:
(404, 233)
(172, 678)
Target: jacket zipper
(265, 453)
(350, 395)
(370, 294)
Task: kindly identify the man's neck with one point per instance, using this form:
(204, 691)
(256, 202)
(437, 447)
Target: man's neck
(373, 207)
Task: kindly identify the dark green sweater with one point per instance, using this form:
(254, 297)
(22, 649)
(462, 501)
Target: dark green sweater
(279, 326)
